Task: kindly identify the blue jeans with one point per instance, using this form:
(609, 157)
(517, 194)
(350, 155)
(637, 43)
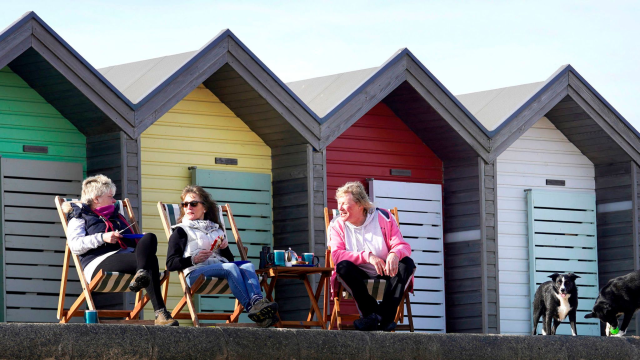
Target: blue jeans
(243, 281)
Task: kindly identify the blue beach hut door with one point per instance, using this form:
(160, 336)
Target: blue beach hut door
(563, 238)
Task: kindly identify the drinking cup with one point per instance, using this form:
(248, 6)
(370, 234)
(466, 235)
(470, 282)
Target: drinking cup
(278, 257)
(91, 316)
(311, 259)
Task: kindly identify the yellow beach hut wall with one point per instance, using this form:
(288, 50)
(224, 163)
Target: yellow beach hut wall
(193, 133)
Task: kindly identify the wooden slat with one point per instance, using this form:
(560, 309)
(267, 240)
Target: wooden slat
(233, 180)
(39, 186)
(42, 169)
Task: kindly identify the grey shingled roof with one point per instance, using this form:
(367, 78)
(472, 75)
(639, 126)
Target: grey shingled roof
(137, 79)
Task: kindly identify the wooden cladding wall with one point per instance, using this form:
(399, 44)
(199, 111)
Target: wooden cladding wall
(374, 145)
(254, 110)
(489, 221)
(617, 228)
(58, 91)
(193, 133)
(28, 119)
(463, 245)
(297, 188)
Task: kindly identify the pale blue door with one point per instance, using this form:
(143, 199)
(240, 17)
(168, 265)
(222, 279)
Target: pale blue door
(563, 238)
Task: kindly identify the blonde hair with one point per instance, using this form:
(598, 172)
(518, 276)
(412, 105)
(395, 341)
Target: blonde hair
(96, 186)
(360, 197)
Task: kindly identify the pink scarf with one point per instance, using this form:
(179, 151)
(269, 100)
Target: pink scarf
(105, 211)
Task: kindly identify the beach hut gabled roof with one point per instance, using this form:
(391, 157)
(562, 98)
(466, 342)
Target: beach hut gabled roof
(226, 67)
(570, 103)
(63, 78)
(340, 100)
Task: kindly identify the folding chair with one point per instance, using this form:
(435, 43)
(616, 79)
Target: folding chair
(375, 286)
(103, 281)
(169, 214)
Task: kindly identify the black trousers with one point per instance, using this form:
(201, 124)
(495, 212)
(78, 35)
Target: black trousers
(354, 277)
(144, 257)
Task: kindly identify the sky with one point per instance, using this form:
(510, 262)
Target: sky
(468, 45)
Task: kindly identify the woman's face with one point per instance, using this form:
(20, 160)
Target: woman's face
(103, 200)
(350, 211)
(193, 212)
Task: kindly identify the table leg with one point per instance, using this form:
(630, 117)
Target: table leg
(317, 297)
(314, 303)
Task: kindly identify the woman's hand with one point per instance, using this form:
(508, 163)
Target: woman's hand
(224, 242)
(378, 263)
(111, 237)
(201, 256)
(391, 268)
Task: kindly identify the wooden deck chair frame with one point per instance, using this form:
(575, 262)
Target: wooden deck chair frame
(337, 317)
(190, 292)
(131, 316)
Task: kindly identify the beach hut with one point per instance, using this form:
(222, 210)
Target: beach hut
(60, 121)
(218, 117)
(400, 132)
(566, 164)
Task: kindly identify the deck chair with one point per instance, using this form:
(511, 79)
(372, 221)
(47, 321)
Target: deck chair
(102, 281)
(375, 287)
(169, 214)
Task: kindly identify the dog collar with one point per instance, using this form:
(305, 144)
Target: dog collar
(614, 331)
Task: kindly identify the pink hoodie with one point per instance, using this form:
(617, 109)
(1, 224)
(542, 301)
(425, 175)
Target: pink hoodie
(390, 232)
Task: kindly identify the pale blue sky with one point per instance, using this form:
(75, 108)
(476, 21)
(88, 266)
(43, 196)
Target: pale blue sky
(468, 45)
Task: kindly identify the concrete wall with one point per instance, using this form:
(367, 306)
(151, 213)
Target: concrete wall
(121, 342)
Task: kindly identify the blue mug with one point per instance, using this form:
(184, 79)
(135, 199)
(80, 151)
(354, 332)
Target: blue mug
(311, 259)
(91, 316)
(276, 258)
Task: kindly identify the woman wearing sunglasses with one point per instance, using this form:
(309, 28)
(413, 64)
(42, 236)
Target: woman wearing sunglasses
(95, 234)
(198, 246)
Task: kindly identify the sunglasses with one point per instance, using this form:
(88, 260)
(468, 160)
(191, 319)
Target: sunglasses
(193, 203)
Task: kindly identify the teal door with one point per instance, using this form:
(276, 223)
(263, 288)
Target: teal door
(249, 196)
(562, 239)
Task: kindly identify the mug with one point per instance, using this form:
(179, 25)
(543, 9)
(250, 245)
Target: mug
(276, 257)
(310, 259)
(264, 257)
(91, 316)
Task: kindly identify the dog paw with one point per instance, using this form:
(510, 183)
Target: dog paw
(620, 333)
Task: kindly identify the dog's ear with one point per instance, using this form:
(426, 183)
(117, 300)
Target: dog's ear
(573, 276)
(554, 276)
(590, 315)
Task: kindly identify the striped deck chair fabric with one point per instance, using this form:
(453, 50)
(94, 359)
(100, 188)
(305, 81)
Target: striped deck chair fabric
(375, 287)
(211, 285)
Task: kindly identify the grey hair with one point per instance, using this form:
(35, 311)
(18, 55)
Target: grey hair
(96, 186)
(360, 197)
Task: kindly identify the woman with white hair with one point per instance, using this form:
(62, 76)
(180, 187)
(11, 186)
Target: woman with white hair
(366, 243)
(95, 234)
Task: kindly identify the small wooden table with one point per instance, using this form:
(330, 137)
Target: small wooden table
(300, 273)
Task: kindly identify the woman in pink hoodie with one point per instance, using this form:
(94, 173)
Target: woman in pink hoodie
(366, 243)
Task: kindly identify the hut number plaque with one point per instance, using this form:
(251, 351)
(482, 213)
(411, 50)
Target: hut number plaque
(226, 161)
(400, 172)
(555, 182)
(35, 149)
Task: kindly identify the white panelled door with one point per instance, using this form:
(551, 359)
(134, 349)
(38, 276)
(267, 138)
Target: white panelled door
(420, 213)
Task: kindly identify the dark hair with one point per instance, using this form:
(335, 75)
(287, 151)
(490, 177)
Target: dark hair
(210, 206)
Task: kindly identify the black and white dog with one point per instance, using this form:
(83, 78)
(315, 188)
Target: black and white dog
(621, 296)
(554, 300)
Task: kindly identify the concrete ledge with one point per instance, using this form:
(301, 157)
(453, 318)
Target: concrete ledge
(121, 342)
